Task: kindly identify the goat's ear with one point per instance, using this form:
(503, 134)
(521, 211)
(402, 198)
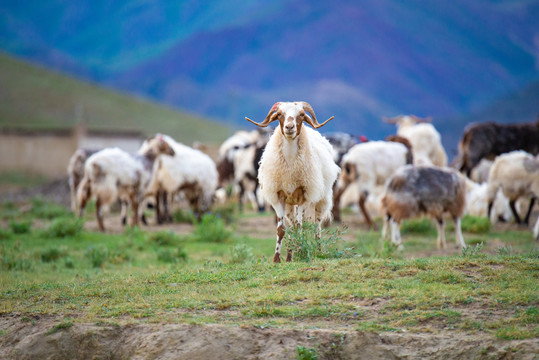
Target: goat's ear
(313, 122)
(273, 114)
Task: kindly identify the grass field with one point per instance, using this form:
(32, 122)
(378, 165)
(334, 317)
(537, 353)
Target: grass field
(38, 98)
(215, 274)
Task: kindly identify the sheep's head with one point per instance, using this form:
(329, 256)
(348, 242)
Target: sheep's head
(291, 116)
(155, 146)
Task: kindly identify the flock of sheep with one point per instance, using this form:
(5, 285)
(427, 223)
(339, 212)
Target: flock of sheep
(301, 173)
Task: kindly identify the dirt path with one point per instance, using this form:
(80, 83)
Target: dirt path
(25, 338)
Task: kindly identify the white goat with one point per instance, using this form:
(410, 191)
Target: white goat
(297, 170)
(188, 171)
(477, 203)
(517, 174)
(425, 139)
(75, 173)
(113, 174)
(416, 190)
(367, 165)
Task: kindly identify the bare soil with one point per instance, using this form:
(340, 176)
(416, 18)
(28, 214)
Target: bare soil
(35, 339)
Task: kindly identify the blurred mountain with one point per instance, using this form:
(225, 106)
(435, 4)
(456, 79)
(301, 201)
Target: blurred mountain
(357, 60)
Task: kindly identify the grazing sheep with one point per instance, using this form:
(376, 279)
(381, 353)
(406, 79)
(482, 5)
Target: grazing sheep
(188, 171)
(341, 142)
(75, 173)
(425, 139)
(487, 140)
(416, 190)
(477, 203)
(297, 170)
(113, 174)
(517, 175)
(367, 165)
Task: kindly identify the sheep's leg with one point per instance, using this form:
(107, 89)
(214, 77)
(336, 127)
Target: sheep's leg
(99, 214)
(241, 195)
(158, 216)
(440, 226)
(458, 233)
(292, 216)
(514, 211)
(536, 230)
(166, 212)
(279, 213)
(489, 208)
(123, 211)
(528, 213)
(362, 200)
(337, 194)
(395, 233)
(385, 228)
(134, 207)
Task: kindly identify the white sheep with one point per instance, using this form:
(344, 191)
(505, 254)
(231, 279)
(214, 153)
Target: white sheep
(297, 170)
(517, 174)
(75, 173)
(416, 190)
(188, 171)
(425, 139)
(113, 174)
(477, 203)
(366, 166)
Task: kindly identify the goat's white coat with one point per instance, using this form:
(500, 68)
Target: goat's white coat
(426, 142)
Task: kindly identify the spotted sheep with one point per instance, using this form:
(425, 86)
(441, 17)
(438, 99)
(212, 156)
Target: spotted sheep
(297, 169)
(424, 190)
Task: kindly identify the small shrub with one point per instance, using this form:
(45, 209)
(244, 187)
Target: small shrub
(306, 245)
(52, 254)
(417, 226)
(61, 326)
(64, 227)
(226, 212)
(472, 251)
(505, 250)
(183, 217)
(240, 254)
(475, 224)
(13, 259)
(69, 263)
(211, 229)
(172, 255)
(20, 227)
(304, 353)
(97, 255)
(164, 238)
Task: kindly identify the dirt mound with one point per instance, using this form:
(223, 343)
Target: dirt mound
(39, 339)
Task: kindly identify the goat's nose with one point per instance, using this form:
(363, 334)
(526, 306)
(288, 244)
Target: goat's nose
(289, 126)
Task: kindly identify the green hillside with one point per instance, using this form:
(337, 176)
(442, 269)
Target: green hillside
(34, 97)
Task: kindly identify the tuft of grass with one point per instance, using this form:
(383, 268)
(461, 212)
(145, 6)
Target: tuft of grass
(472, 251)
(420, 226)
(240, 254)
(227, 212)
(211, 229)
(183, 217)
(58, 327)
(20, 227)
(5, 234)
(42, 209)
(304, 353)
(53, 254)
(172, 255)
(306, 245)
(64, 227)
(164, 238)
(97, 255)
(475, 224)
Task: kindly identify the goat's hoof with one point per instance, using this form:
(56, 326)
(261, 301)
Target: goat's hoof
(289, 257)
(124, 221)
(144, 221)
(276, 258)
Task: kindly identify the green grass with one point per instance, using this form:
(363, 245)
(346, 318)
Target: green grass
(166, 278)
(35, 97)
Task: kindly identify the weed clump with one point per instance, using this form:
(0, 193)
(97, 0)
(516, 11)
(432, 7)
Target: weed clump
(175, 255)
(46, 210)
(304, 353)
(53, 254)
(211, 229)
(164, 238)
(475, 224)
(64, 227)
(183, 217)
(5, 234)
(97, 255)
(20, 227)
(240, 254)
(306, 245)
(417, 226)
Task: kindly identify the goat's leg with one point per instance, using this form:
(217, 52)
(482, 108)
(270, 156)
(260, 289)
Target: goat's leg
(385, 228)
(362, 200)
(528, 213)
(337, 194)
(514, 211)
(123, 212)
(395, 233)
(291, 212)
(134, 207)
(241, 195)
(99, 214)
(440, 226)
(279, 213)
(458, 233)
(166, 212)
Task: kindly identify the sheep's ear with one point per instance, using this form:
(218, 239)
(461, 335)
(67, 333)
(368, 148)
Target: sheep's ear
(313, 122)
(273, 114)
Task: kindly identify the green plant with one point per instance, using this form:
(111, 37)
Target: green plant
(417, 226)
(61, 326)
(472, 251)
(475, 224)
(97, 255)
(211, 229)
(227, 212)
(20, 227)
(172, 255)
(240, 254)
(5, 234)
(304, 353)
(164, 238)
(47, 210)
(52, 254)
(306, 244)
(64, 227)
(179, 216)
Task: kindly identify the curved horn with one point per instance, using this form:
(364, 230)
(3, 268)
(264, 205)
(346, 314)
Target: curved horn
(272, 116)
(392, 120)
(313, 122)
(417, 119)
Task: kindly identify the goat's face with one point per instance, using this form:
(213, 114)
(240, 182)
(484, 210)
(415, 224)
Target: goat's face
(291, 116)
(156, 146)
